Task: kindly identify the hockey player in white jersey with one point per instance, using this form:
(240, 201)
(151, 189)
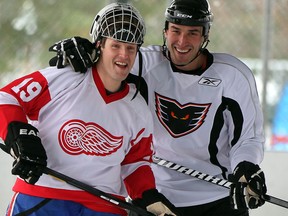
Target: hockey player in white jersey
(207, 115)
(90, 126)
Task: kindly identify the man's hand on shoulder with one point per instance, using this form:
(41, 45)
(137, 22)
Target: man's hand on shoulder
(79, 52)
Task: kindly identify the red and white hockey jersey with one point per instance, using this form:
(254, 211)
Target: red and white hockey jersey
(102, 140)
(208, 121)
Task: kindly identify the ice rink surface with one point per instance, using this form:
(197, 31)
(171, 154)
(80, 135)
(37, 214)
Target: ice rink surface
(274, 166)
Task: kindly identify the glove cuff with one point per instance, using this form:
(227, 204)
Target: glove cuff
(153, 196)
(246, 169)
(16, 130)
(148, 197)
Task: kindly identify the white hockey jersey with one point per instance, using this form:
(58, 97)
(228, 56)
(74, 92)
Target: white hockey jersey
(102, 140)
(208, 122)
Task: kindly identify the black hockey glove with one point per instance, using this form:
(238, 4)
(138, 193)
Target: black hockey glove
(79, 52)
(248, 186)
(156, 203)
(23, 144)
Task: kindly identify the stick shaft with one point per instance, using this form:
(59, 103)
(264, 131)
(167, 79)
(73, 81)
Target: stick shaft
(211, 179)
(96, 192)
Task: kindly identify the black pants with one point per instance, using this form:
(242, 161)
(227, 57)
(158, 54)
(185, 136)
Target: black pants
(217, 208)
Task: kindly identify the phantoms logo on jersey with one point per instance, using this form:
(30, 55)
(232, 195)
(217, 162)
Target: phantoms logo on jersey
(77, 137)
(179, 119)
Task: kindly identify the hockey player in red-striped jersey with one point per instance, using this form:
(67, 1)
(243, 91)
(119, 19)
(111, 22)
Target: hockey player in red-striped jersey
(90, 126)
(206, 112)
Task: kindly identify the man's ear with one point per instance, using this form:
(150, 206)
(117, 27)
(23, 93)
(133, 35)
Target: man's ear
(98, 44)
(164, 35)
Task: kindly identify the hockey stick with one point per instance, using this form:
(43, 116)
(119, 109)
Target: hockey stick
(211, 179)
(96, 192)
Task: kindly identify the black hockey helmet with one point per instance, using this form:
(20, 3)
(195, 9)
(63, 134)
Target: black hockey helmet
(190, 13)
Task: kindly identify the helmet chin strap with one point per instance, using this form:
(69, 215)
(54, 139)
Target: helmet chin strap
(166, 53)
(138, 86)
